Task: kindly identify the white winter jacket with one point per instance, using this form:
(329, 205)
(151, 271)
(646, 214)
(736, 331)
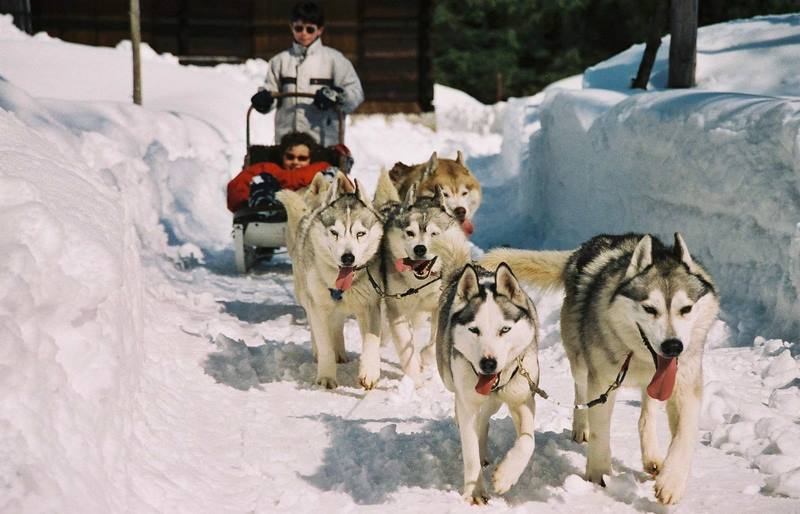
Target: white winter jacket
(305, 70)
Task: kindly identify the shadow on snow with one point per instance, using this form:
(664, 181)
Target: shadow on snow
(243, 367)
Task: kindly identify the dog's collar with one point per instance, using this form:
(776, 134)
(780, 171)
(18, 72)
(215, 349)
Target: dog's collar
(429, 267)
(497, 386)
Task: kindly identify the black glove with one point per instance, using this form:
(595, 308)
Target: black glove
(328, 97)
(262, 101)
(262, 191)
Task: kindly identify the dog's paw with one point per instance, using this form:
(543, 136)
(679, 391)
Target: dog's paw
(342, 358)
(327, 382)
(367, 383)
(653, 466)
(415, 374)
(368, 378)
(503, 478)
(595, 476)
(477, 499)
(670, 486)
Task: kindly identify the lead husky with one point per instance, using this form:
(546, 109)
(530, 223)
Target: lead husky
(631, 295)
(487, 352)
(461, 190)
(409, 264)
(334, 234)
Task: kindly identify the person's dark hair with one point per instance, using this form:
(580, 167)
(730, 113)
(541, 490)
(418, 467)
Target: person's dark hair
(301, 138)
(308, 11)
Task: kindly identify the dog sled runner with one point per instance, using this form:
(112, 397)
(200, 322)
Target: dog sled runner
(258, 232)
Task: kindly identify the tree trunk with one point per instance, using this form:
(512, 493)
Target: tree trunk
(683, 48)
(657, 25)
(498, 86)
(136, 39)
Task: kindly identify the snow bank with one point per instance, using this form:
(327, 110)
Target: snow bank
(456, 110)
(47, 67)
(89, 191)
(762, 428)
(721, 168)
(757, 56)
(71, 325)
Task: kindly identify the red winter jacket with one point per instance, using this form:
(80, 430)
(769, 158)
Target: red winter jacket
(239, 187)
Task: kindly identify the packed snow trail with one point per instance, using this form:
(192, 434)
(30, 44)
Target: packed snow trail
(290, 446)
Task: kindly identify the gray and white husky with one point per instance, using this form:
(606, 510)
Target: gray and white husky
(410, 270)
(334, 235)
(487, 352)
(631, 295)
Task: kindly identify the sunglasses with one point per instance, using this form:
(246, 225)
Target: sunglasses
(293, 157)
(310, 29)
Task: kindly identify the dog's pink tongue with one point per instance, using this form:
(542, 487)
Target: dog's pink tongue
(467, 227)
(660, 388)
(403, 264)
(485, 383)
(345, 278)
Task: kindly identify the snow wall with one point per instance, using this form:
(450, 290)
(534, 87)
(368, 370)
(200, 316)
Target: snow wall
(721, 168)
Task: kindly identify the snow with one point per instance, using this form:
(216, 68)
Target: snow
(140, 373)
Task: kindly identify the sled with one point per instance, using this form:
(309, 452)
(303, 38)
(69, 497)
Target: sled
(259, 232)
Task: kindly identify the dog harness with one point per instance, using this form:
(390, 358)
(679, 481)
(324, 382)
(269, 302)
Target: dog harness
(407, 292)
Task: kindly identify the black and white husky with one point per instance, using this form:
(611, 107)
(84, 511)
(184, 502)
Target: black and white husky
(487, 354)
(631, 297)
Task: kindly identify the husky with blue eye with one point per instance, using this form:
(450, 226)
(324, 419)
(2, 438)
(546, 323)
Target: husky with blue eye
(487, 343)
(630, 298)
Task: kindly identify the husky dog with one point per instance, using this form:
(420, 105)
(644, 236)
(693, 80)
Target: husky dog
(461, 190)
(334, 234)
(409, 264)
(487, 353)
(630, 295)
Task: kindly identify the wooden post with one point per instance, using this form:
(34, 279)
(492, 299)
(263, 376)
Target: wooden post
(683, 47)
(136, 39)
(657, 25)
(499, 86)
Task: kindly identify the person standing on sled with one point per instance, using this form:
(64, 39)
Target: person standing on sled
(310, 67)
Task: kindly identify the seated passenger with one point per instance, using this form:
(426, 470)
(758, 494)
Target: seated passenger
(257, 184)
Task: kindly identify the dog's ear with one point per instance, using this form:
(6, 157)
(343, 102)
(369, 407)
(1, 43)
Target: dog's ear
(398, 171)
(361, 194)
(411, 196)
(459, 158)
(506, 284)
(682, 252)
(385, 191)
(341, 185)
(318, 186)
(430, 166)
(642, 257)
(468, 283)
